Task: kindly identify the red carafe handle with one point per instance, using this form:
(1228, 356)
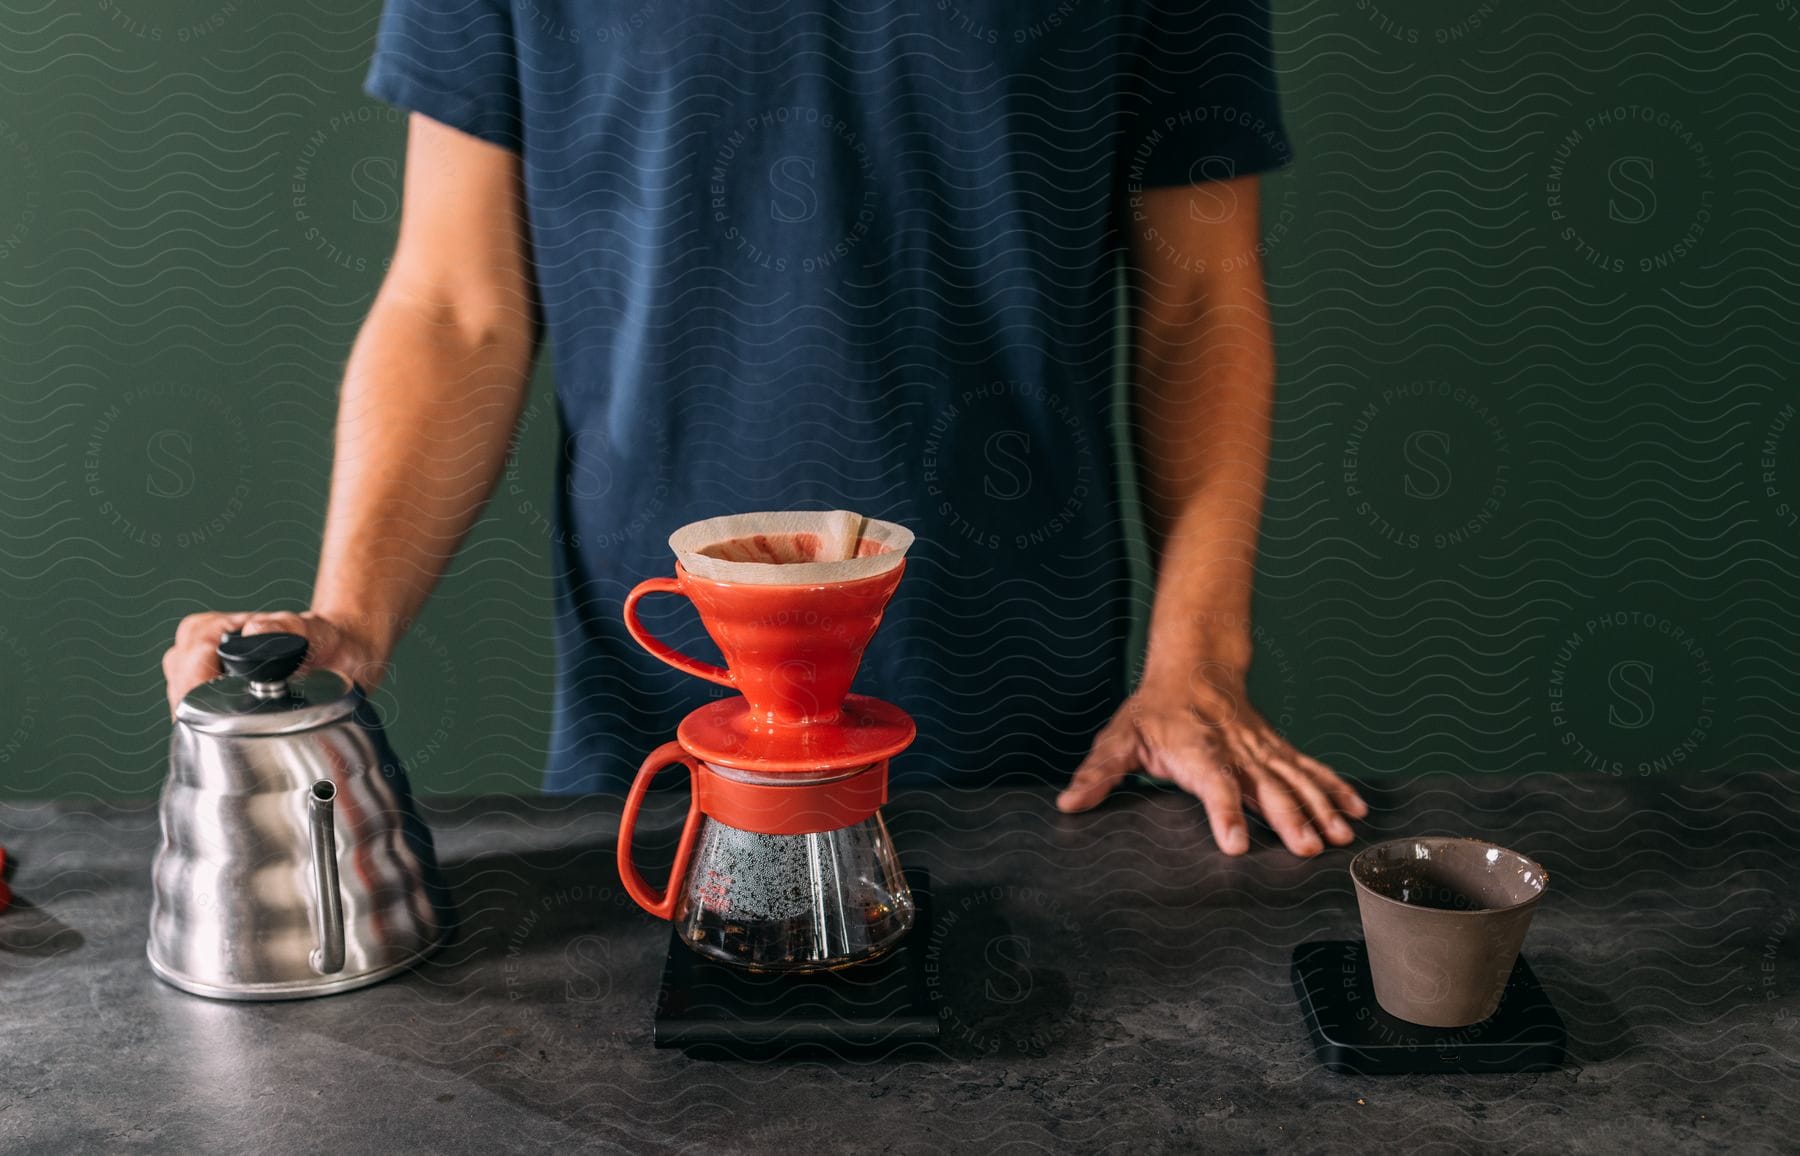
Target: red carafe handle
(661, 649)
(659, 902)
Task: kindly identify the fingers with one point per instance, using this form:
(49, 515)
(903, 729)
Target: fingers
(1319, 807)
(1202, 767)
(1219, 749)
(1112, 757)
(1296, 765)
(205, 629)
(1320, 810)
(1283, 812)
(194, 659)
(1218, 790)
(330, 646)
(1274, 755)
(317, 633)
(1342, 793)
(1282, 807)
(185, 668)
(277, 622)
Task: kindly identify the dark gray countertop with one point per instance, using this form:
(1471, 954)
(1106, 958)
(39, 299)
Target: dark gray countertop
(1121, 987)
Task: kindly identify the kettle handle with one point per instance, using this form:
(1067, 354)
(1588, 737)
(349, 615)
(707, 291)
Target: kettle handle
(659, 902)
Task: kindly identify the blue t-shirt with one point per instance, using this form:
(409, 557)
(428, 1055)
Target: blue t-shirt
(852, 254)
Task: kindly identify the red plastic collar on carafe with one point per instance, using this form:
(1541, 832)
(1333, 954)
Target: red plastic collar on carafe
(796, 808)
(765, 808)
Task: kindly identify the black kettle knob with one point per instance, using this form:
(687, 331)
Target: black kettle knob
(262, 657)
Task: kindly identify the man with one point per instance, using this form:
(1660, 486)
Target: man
(848, 254)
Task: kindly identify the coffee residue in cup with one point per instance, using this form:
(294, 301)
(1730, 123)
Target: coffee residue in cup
(1415, 885)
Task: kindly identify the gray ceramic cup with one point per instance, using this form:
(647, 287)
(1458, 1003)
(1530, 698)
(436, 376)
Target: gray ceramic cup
(1443, 920)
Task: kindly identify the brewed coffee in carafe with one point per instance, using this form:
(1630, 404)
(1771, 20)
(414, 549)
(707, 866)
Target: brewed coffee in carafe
(794, 902)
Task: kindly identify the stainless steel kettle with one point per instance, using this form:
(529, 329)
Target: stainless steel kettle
(292, 862)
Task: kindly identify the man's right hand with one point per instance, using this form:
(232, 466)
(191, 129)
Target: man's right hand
(331, 645)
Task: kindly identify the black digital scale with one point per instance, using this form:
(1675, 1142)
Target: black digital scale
(1352, 1035)
(713, 1010)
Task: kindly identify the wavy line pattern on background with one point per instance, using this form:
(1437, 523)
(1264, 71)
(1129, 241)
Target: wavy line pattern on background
(1531, 532)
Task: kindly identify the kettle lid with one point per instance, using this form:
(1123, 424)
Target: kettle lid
(259, 692)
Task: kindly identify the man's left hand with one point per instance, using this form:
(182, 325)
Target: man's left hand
(1204, 736)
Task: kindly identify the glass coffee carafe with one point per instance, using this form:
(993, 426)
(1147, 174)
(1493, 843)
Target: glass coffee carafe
(793, 902)
(776, 871)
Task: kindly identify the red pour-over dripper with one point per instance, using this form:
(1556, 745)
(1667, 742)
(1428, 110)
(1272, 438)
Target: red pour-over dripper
(792, 652)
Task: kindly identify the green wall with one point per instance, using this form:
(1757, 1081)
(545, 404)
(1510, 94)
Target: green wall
(1537, 467)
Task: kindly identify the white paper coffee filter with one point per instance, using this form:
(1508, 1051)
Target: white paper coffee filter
(790, 547)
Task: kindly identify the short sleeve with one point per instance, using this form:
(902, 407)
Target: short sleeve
(453, 61)
(1202, 102)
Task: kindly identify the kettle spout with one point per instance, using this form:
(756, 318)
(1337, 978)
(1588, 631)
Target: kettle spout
(328, 957)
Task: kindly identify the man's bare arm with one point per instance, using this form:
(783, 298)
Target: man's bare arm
(1204, 373)
(1204, 378)
(431, 395)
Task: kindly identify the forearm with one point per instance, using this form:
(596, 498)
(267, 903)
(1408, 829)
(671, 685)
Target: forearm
(1205, 445)
(1204, 378)
(431, 395)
